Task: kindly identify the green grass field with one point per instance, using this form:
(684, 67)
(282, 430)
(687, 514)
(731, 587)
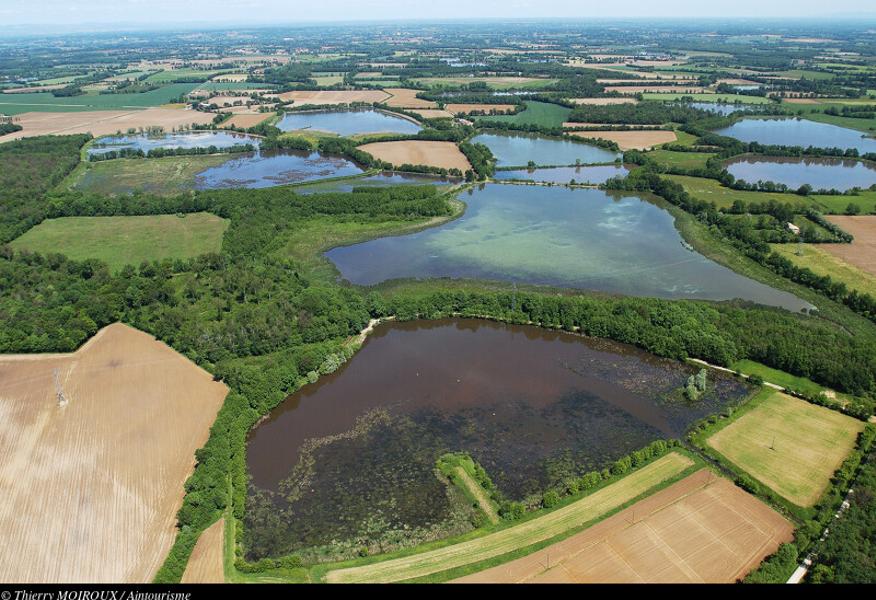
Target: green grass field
(543, 114)
(786, 380)
(517, 537)
(666, 96)
(723, 197)
(14, 104)
(822, 262)
(169, 175)
(791, 446)
(171, 76)
(681, 160)
(120, 241)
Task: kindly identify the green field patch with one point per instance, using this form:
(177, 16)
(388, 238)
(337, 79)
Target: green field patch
(120, 241)
(496, 83)
(822, 262)
(711, 190)
(543, 114)
(14, 104)
(681, 160)
(791, 446)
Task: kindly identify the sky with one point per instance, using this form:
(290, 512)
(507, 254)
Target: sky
(285, 12)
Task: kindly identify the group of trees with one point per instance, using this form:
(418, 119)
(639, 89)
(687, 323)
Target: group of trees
(642, 113)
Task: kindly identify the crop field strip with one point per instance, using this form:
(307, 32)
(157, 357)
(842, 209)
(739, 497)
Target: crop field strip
(702, 529)
(76, 507)
(206, 564)
(517, 537)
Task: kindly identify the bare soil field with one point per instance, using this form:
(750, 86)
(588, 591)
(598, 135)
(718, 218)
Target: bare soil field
(862, 251)
(604, 101)
(802, 100)
(104, 122)
(91, 487)
(638, 80)
(246, 120)
(319, 97)
(631, 140)
(640, 89)
(789, 445)
(431, 113)
(702, 529)
(407, 98)
(206, 563)
(464, 109)
(445, 155)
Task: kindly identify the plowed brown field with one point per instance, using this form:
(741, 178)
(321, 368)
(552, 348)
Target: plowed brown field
(91, 489)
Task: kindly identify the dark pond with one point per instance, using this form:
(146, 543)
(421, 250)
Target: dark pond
(378, 180)
(594, 174)
(517, 149)
(276, 167)
(576, 238)
(352, 457)
(194, 139)
(348, 122)
(820, 173)
(799, 132)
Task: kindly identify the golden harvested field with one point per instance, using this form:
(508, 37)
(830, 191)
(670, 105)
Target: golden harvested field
(631, 140)
(318, 97)
(639, 89)
(702, 529)
(464, 109)
(431, 113)
(604, 101)
(862, 251)
(445, 155)
(104, 122)
(91, 489)
(246, 120)
(407, 98)
(206, 563)
(522, 535)
(789, 445)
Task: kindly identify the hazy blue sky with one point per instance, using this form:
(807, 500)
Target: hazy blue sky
(151, 12)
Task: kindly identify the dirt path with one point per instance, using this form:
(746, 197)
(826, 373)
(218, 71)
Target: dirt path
(479, 494)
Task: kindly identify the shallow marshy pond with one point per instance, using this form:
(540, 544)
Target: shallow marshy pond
(799, 132)
(350, 460)
(348, 122)
(574, 238)
(518, 149)
(168, 141)
(820, 173)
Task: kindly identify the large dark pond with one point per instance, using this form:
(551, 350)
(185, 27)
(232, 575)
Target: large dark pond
(799, 132)
(348, 122)
(576, 238)
(820, 173)
(352, 457)
(193, 139)
(518, 149)
(271, 168)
